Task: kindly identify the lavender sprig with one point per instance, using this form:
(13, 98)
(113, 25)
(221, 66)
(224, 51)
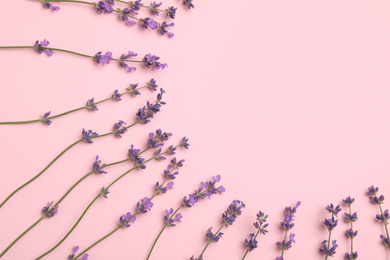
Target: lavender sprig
(97, 167)
(99, 57)
(228, 218)
(251, 244)
(350, 218)
(172, 216)
(126, 14)
(132, 90)
(384, 216)
(142, 116)
(143, 206)
(136, 5)
(287, 225)
(134, 156)
(330, 225)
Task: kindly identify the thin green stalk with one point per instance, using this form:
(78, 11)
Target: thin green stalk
(21, 235)
(387, 231)
(285, 239)
(39, 174)
(330, 232)
(350, 213)
(204, 249)
(158, 236)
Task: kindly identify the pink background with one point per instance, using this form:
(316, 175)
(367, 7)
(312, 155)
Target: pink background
(286, 100)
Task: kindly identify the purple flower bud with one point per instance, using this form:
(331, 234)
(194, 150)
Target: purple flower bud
(102, 59)
(162, 28)
(213, 238)
(104, 192)
(350, 218)
(251, 244)
(330, 223)
(348, 201)
(91, 105)
(372, 191)
(87, 135)
(383, 218)
(45, 118)
(170, 222)
(116, 95)
(144, 205)
(151, 61)
(135, 6)
(48, 5)
(97, 168)
(171, 12)
(189, 4)
(350, 233)
(334, 210)
(118, 130)
(49, 211)
(385, 241)
(134, 156)
(154, 6)
(103, 7)
(328, 251)
(354, 255)
(124, 57)
(152, 84)
(40, 47)
(184, 143)
(125, 219)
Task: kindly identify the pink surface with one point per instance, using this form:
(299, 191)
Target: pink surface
(286, 100)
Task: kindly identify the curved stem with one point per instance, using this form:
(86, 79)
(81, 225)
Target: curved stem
(21, 235)
(39, 174)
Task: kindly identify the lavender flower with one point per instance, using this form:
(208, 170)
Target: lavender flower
(97, 168)
(152, 84)
(103, 7)
(104, 192)
(125, 219)
(118, 130)
(184, 143)
(144, 206)
(189, 4)
(40, 47)
(134, 156)
(177, 164)
(169, 221)
(91, 105)
(124, 57)
(162, 136)
(287, 225)
(48, 5)
(233, 211)
(161, 189)
(158, 155)
(385, 241)
(330, 223)
(326, 250)
(133, 90)
(45, 118)
(171, 12)
(251, 244)
(75, 249)
(102, 59)
(350, 218)
(171, 150)
(154, 142)
(148, 23)
(213, 238)
(353, 256)
(154, 6)
(49, 211)
(384, 217)
(334, 210)
(87, 135)
(151, 61)
(135, 6)
(116, 95)
(144, 113)
(162, 28)
(124, 16)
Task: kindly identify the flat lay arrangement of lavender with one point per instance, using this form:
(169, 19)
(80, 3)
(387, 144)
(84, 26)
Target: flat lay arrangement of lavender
(158, 146)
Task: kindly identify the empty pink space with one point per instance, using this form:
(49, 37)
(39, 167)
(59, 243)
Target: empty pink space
(286, 100)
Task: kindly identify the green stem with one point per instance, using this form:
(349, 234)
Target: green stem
(285, 239)
(350, 213)
(330, 232)
(39, 174)
(21, 235)
(67, 1)
(208, 243)
(384, 223)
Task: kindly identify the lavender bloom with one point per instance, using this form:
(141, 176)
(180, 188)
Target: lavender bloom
(148, 22)
(91, 105)
(189, 4)
(169, 175)
(87, 135)
(171, 12)
(162, 136)
(125, 219)
(154, 142)
(330, 223)
(350, 233)
(134, 156)
(261, 218)
(135, 6)
(102, 59)
(49, 211)
(144, 206)
(348, 201)
(75, 249)
(176, 164)
(116, 95)
(40, 47)
(50, 6)
(285, 245)
(124, 16)
(171, 150)
(118, 130)
(103, 7)
(96, 166)
(377, 200)
(350, 218)
(351, 257)
(331, 209)
(251, 244)
(169, 222)
(155, 5)
(124, 57)
(162, 28)
(234, 210)
(213, 238)
(152, 84)
(383, 218)
(328, 251)
(385, 241)
(372, 191)
(184, 143)
(104, 192)
(160, 189)
(193, 258)
(158, 156)
(291, 211)
(142, 115)
(133, 90)
(45, 118)
(151, 61)
(287, 224)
